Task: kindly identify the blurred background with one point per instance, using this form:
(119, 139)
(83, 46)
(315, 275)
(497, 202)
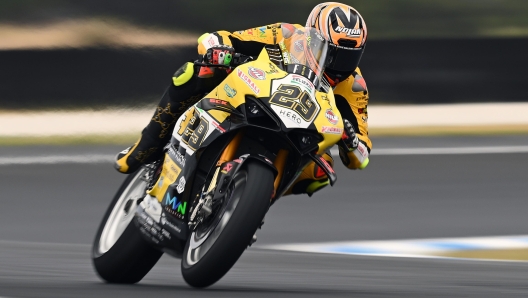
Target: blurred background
(98, 54)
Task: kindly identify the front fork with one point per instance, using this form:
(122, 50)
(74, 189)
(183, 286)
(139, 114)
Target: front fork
(226, 167)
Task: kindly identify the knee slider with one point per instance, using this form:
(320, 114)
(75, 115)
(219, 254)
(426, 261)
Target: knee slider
(183, 74)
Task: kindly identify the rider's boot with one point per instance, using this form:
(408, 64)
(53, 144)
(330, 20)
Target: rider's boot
(158, 132)
(312, 179)
(150, 145)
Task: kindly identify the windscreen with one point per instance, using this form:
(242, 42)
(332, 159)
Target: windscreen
(305, 53)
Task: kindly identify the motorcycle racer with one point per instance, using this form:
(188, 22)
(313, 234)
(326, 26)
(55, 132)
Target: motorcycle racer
(346, 32)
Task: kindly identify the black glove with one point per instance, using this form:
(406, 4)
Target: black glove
(349, 139)
(220, 54)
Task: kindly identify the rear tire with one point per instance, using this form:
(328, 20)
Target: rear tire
(212, 250)
(119, 253)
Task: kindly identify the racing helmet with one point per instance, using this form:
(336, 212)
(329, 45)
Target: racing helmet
(346, 32)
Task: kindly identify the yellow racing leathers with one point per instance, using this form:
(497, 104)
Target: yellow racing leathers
(352, 97)
(188, 86)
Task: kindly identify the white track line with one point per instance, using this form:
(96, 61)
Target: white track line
(417, 248)
(57, 159)
(447, 150)
(104, 158)
(452, 150)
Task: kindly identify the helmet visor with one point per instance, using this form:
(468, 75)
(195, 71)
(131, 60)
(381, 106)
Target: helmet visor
(305, 49)
(344, 59)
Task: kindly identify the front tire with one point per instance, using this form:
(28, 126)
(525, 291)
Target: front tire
(212, 250)
(119, 253)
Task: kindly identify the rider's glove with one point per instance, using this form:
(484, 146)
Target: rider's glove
(349, 137)
(219, 54)
(352, 152)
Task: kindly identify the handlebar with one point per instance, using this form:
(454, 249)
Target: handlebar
(238, 59)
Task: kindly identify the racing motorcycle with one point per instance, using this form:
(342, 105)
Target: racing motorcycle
(231, 156)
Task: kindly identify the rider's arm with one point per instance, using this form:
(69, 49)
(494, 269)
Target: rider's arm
(248, 42)
(351, 96)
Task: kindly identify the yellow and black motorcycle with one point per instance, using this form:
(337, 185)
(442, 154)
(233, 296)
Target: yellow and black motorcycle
(232, 155)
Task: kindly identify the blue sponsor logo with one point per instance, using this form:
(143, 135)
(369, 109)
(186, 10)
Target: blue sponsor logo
(175, 205)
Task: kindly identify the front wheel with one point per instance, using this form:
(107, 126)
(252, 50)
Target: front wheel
(216, 244)
(119, 254)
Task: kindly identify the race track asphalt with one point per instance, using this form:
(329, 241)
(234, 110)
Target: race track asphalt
(50, 213)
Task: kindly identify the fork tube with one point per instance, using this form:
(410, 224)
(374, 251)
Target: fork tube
(279, 163)
(230, 150)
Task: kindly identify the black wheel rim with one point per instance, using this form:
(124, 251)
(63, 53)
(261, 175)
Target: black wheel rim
(204, 236)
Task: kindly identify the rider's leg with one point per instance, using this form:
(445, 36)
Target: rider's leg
(184, 91)
(312, 178)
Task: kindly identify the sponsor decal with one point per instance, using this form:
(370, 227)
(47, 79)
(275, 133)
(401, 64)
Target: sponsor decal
(293, 117)
(218, 127)
(171, 169)
(165, 222)
(181, 185)
(325, 98)
(332, 130)
(332, 118)
(273, 69)
(180, 158)
(229, 91)
(300, 80)
(210, 41)
(160, 183)
(175, 205)
(362, 149)
(166, 234)
(227, 168)
(248, 81)
(285, 53)
(348, 31)
(238, 160)
(274, 32)
(298, 46)
(304, 71)
(256, 73)
(262, 32)
(218, 101)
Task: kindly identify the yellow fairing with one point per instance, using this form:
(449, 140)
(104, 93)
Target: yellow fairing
(240, 83)
(329, 122)
(168, 176)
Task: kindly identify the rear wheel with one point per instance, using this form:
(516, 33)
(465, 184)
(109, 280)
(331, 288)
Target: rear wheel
(119, 254)
(217, 243)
